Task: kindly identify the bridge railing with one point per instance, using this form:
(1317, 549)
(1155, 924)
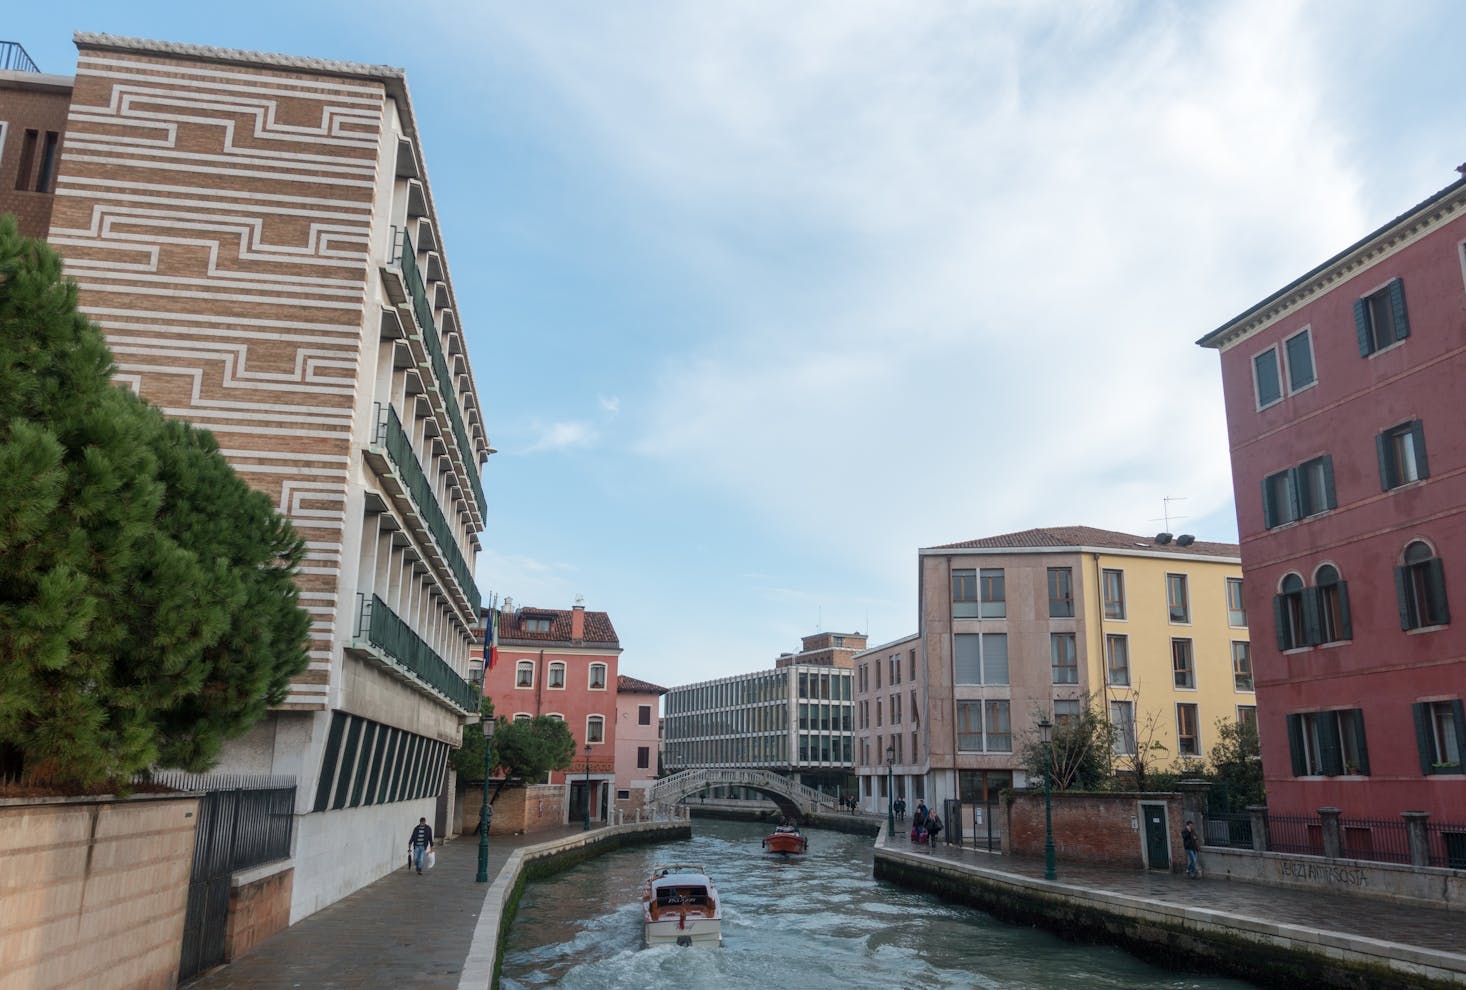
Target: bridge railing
(687, 781)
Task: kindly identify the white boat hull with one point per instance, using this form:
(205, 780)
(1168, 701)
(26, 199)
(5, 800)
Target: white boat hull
(695, 931)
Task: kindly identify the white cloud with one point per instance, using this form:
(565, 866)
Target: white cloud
(609, 403)
(560, 436)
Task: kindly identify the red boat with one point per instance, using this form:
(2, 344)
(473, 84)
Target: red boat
(786, 839)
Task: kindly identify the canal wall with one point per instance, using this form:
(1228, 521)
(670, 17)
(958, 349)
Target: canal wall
(481, 969)
(1425, 885)
(1267, 953)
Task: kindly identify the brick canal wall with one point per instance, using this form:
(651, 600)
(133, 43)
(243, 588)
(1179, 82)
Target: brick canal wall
(1091, 827)
(1267, 953)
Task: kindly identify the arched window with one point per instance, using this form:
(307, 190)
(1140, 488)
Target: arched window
(595, 729)
(1420, 586)
(598, 677)
(1288, 612)
(555, 715)
(523, 717)
(1332, 595)
(556, 677)
(524, 674)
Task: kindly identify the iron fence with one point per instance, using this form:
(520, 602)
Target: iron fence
(1295, 834)
(1230, 830)
(1447, 844)
(14, 58)
(1378, 840)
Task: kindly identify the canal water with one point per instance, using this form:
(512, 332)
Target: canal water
(812, 922)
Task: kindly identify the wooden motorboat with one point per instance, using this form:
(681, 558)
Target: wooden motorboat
(680, 906)
(786, 839)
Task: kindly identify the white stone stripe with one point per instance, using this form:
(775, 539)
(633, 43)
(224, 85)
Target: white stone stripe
(193, 75)
(121, 146)
(158, 314)
(229, 296)
(275, 175)
(362, 209)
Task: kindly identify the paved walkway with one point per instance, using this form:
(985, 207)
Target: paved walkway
(405, 931)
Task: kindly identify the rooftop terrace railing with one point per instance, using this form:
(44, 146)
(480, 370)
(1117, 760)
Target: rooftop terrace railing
(14, 58)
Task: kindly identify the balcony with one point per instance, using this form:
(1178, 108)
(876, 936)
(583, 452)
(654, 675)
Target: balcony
(382, 635)
(412, 292)
(14, 58)
(405, 479)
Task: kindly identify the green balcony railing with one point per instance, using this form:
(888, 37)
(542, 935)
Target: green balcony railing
(393, 437)
(416, 288)
(388, 633)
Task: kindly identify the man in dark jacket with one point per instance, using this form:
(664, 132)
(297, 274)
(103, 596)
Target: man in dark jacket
(1189, 843)
(421, 843)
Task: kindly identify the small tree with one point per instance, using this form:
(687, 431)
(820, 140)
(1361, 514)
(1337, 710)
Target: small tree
(1081, 746)
(1236, 765)
(468, 759)
(528, 749)
(1148, 754)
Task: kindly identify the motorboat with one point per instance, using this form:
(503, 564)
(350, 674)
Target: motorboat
(786, 839)
(680, 906)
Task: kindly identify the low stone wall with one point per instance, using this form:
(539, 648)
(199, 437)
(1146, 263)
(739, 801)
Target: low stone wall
(1428, 886)
(1266, 953)
(517, 810)
(259, 906)
(93, 891)
(1089, 827)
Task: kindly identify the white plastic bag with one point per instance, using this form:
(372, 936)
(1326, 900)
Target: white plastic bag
(430, 859)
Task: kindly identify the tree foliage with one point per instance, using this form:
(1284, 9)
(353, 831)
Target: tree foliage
(1144, 764)
(528, 749)
(468, 759)
(148, 608)
(1081, 746)
(1236, 766)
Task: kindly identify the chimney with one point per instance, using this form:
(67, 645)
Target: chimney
(577, 620)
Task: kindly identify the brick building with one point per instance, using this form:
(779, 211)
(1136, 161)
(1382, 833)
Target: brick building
(1343, 394)
(257, 238)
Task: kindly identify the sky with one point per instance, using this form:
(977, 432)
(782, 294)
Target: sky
(762, 297)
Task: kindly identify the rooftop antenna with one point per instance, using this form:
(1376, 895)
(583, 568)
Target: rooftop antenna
(1166, 516)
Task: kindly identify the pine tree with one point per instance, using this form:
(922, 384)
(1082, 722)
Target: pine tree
(147, 603)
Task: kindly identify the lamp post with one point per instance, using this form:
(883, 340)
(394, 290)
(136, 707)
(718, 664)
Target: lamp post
(890, 793)
(485, 813)
(1045, 729)
(587, 787)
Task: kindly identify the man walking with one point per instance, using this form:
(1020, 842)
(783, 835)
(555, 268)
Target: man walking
(421, 843)
(1189, 843)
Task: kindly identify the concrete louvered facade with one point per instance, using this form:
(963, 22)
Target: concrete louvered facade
(256, 235)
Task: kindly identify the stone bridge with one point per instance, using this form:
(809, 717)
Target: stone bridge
(792, 797)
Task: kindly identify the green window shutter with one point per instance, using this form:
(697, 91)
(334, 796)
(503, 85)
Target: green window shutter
(1458, 710)
(1359, 743)
(1435, 592)
(1269, 513)
(1397, 309)
(1402, 593)
(1346, 627)
(1331, 500)
(1417, 439)
(1295, 494)
(1423, 740)
(1279, 625)
(1361, 327)
(1312, 625)
(1387, 479)
(1329, 753)
(1295, 745)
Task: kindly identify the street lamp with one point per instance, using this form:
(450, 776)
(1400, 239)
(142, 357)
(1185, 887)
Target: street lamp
(587, 787)
(485, 813)
(1045, 729)
(890, 793)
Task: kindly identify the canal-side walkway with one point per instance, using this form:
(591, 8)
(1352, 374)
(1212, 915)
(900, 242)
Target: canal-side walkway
(1281, 932)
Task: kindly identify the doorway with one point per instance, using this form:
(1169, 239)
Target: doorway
(1157, 837)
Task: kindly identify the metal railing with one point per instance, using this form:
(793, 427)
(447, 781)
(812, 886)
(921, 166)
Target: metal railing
(1379, 840)
(393, 438)
(14, 58)
(1295, 834)
(407, 260)
(384, 629)
(1232, 830)
(1447, 844)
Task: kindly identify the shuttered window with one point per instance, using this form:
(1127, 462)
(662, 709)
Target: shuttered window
(1380, 319)
(1401, 453)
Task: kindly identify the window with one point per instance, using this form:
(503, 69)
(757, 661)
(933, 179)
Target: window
(1183, 664)
(999, 732)
(1065, 709)
(964, 594)
(47, 170)
(556, 677)
(1279, 499)
(1236, 607)
(27, 158)
(983, 726)
(644, 715)
(1114, 590)
(895, 669)
(911, 665)
(1177, 598)
(595, 729)
(523, 717)
(1299, 492)
(643, 757)
(895, 709)
(1331, 596)
(1265, 377)
(540, 625)
(1288, 614)
(1380, 318)
(524, 674)
(981, 659)
(1401, 451)
(1061, 593)
(1188, 738)
(1065, 658)
(879, 709)
(1117, 659)
(1421, 588)
(597, 677)
(1299, 351)
(994, 603)
(1247, 717)
(1122, 717)
(1328, 744)
(1440, 729)
(1241, 666)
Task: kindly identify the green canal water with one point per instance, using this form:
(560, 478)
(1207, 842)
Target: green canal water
(801, 922)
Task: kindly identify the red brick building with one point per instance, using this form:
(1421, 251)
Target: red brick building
(562, 662)
(1343, 394)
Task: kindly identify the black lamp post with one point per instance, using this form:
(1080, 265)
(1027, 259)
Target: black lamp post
(890, 793)
(587, 787)
(1046, 728)
(485, 813)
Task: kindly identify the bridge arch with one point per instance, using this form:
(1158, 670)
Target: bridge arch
(792, 797)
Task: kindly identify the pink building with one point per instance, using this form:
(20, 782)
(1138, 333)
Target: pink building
(562, 662)
(1343, 393)
(638, 735)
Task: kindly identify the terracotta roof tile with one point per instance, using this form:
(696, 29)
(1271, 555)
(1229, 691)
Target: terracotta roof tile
(632, 685)
(598, 628)
(1089, 536)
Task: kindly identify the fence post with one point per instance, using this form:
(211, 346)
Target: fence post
(1333, 838)
(1415, 822)
(1260, 838)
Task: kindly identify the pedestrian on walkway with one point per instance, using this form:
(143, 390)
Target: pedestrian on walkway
(933, 826)
(420, 843)
(1189, 843)
(900, 809)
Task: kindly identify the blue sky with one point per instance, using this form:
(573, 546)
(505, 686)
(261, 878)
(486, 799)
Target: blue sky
(762, 297)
